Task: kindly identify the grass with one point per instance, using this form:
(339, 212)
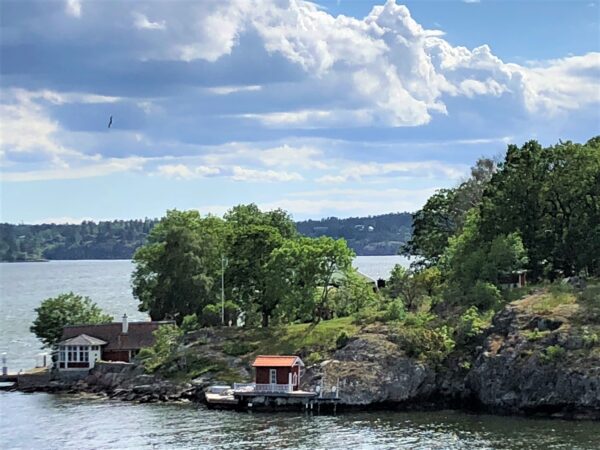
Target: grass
(300, 338)
(549, 300)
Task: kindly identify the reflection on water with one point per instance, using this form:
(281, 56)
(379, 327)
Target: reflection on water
(67, 422)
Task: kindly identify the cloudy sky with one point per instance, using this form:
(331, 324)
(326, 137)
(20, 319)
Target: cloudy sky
(328, 108)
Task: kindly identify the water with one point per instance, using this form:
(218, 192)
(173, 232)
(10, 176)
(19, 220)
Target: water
(23, 286)
(29, 421)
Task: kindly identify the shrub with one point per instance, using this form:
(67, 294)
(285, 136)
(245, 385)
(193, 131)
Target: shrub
(238, 348)
(314, 358)
(424, 343)
(395, 311)
(553, 353)
(167, 339)
(470, 324)
(368, 315)
(590, 338)
(342, 340)
(418, 319)
(211, 316)
(484, 295)
(190, 323)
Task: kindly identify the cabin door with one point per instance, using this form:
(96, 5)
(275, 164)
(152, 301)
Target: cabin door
(273, 376)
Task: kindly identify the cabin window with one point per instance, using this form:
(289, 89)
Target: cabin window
(71, 353)
(61, 355)
(83, 354)
(95, 348)
(273, 376)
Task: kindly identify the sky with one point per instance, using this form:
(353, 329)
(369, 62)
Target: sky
(333, 108)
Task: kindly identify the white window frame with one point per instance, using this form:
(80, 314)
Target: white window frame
(272, 374)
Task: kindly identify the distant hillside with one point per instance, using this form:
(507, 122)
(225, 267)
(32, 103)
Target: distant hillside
(373, 235)
(118, 239)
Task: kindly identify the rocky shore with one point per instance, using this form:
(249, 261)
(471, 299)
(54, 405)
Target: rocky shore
(527, 362)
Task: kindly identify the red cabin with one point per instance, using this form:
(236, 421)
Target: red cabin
(278, 370)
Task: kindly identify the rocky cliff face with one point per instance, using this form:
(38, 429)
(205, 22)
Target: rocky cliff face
(372, 369)
(528, 363)
(536, 363)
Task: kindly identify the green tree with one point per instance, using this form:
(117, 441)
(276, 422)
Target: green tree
(353, 295)
(304, 269)
(176, 271)
(66, 309)
(444, 215)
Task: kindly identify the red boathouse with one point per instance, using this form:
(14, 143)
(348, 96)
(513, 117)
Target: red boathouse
(278, 370)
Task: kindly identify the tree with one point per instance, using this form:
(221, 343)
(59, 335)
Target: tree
(176, 271)
(305, 268)
(472, 264)
(353, 295)
(248, 277)
(66, 309)
(404, 284)
(444, 215)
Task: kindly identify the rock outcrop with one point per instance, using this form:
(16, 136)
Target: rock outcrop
(371, 369)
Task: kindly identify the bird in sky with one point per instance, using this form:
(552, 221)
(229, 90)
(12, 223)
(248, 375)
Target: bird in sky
(110, 122)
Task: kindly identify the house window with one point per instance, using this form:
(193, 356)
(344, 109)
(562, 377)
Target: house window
(95, 348)
(83, 354)
(273, 376)
(71, 353)
(61, 354)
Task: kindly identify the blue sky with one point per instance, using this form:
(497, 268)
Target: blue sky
(331, 108)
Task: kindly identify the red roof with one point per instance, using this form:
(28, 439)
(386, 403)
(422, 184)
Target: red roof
(275, 361)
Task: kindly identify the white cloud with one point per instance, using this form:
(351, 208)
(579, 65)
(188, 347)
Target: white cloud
(73, 8)
(226, 90)
(183, 172)
(357, 172)
(102, 167)
(141, 22)
(245, 174)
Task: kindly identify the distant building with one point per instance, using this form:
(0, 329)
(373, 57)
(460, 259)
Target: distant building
(82, 345)
(512, 280)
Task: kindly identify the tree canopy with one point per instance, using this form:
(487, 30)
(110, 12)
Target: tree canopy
(66, 309)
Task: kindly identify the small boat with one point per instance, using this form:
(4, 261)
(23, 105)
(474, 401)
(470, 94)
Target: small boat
(220, 396)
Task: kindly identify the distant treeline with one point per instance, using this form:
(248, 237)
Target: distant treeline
(118, 239)
(373, 235)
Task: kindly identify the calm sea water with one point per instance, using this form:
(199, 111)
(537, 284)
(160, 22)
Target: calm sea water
(31, 421)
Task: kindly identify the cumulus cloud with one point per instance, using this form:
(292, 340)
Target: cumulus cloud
(245, 174)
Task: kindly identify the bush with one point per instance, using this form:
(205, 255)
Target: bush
(470, 324)
(342, 340)
(368, 315)
(484, 295)
(190, 323)
(427, 344)
(314, 358)
(167, 340)
(395, 311)
(211, 316)
(418, 319)
(238, 348)
(553, 353)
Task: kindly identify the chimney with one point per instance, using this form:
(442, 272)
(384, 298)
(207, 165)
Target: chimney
(125, 324)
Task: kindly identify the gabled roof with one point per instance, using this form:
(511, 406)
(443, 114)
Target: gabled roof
(83, 339)
(276, 361)
(138, 335)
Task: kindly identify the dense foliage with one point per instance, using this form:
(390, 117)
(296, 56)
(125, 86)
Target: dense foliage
(119, 239)
(268, 270)
(66, 309)
(103, 240)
